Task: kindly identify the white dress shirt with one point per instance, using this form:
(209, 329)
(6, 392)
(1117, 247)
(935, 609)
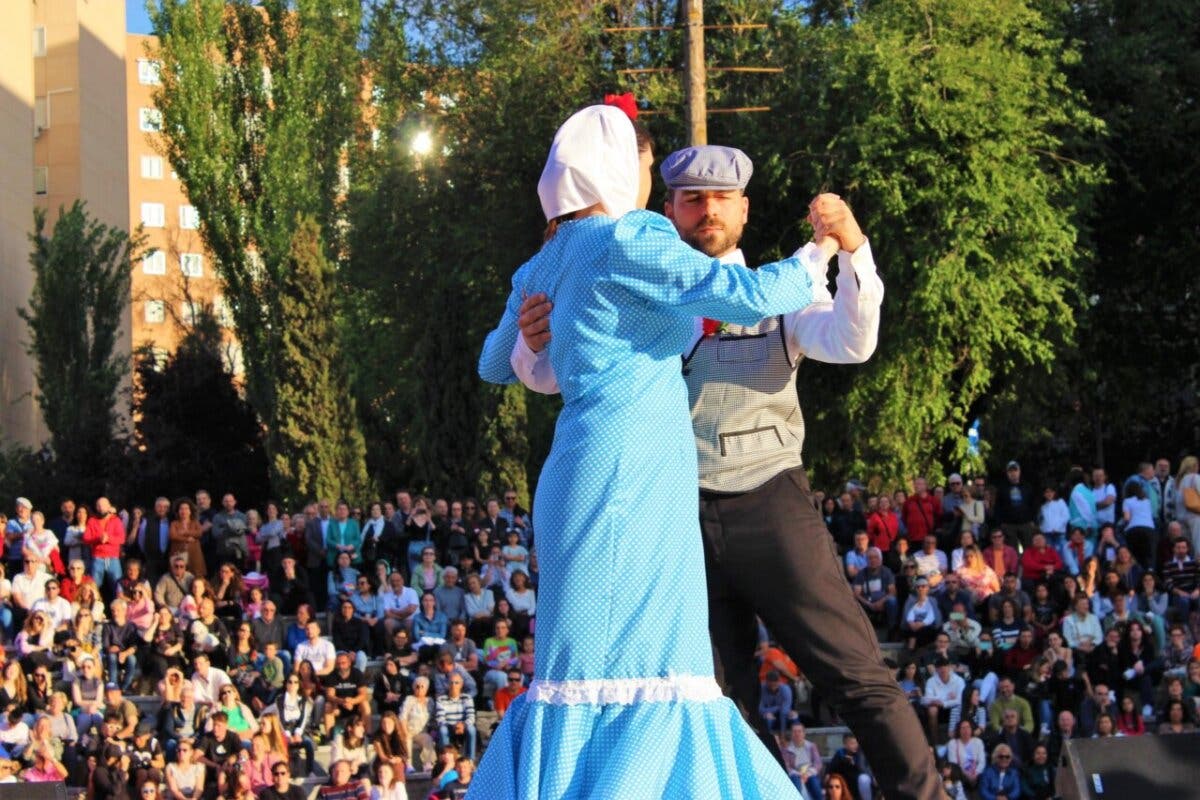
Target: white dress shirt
(208, 689)
(949, 693)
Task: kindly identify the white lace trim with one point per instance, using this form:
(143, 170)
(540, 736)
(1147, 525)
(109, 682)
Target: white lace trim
(625, 691)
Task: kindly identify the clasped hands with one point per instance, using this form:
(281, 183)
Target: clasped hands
(834, 228)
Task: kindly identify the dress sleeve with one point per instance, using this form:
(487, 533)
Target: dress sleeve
(494, 360)
(652, 263)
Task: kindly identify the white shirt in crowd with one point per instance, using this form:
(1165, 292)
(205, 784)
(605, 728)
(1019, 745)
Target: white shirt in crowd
(1140, 515)
(1054, 517)
(31, 589)
(1108, 513)
(407, 598)
(319, 654)
(58, 610)
(208, 688)
(949, 693)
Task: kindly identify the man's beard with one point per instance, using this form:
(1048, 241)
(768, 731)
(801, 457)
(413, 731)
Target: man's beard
(714, 243)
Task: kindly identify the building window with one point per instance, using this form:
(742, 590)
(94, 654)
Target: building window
(150, 120)
(222, 312)
(155, 263)
(189, 220)
(148, 72)
(234, 360)
(154, 215)
(159, 358)
(41, 180)
(152, 167)
(156, 312)
(189, 312)
(39, 41)
(41, 115)
(192, 265)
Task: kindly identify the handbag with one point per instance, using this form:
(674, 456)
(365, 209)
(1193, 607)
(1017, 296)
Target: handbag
(247, 678)
(1191, 499)
(802, 691)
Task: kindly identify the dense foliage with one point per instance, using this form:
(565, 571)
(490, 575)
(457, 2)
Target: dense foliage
(1021, 167)
(194, 427)
(259, 103)
(81, 273)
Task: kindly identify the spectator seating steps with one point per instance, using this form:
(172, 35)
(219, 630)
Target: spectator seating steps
(827, 739)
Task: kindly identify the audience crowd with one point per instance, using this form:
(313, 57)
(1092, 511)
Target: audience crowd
(249, 638)
(1021, 618)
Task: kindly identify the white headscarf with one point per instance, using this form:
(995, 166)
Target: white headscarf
(594, 159)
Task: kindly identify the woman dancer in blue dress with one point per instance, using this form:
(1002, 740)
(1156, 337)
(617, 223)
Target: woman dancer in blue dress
(623, 703)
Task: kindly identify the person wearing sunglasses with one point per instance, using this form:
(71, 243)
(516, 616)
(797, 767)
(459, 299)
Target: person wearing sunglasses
(240, 717)
(281, 787)
(185, 777)
(514, 687)
(1001, 778)
(295, 715)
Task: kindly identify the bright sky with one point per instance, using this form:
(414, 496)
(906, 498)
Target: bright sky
(136, 19)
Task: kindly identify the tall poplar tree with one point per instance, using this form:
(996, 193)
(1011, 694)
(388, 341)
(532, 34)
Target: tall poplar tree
(319, 450)
(259, 102)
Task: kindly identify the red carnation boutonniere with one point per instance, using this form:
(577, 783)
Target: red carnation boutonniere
(714, 326)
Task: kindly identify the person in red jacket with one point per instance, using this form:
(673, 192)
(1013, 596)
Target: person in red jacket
(105, 534)
(883, 527)
(921, 512)
(1040, 562)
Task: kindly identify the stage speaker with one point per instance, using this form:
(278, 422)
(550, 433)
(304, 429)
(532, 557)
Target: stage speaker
(1146, 767)
(33, 791)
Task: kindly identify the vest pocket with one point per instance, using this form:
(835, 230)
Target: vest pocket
(755, 440)
(750, 349)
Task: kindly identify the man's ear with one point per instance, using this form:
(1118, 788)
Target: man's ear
(745, 209)
(669, 207)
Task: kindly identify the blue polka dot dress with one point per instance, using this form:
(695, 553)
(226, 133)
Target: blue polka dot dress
(623, 703)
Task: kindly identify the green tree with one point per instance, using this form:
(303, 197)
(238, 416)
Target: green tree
(502, 85)
(492, 87)
(80, 292)
(193, 425)
(317, 449)
(1135, 381)
(948, 124)
(260, 103)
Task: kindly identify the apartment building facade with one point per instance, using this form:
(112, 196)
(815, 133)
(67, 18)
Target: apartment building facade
(77, 121)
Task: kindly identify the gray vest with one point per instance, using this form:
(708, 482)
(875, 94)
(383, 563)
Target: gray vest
(745, 412)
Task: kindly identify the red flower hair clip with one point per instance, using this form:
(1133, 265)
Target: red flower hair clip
(626, 102)
(713, 327)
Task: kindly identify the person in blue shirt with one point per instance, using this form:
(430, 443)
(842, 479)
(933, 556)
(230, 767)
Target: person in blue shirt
(1001, 780)
(775, 704)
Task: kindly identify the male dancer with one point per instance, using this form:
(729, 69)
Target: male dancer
(767, 551)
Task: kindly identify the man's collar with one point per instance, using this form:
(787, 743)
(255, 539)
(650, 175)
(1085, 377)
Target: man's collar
(734, 256)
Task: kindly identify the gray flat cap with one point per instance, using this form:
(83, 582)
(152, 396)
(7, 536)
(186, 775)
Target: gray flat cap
(707, 166)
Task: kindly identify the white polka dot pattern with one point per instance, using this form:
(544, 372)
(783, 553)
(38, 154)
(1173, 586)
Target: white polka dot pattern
(622, 589)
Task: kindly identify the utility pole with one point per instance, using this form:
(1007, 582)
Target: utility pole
(694, 78)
